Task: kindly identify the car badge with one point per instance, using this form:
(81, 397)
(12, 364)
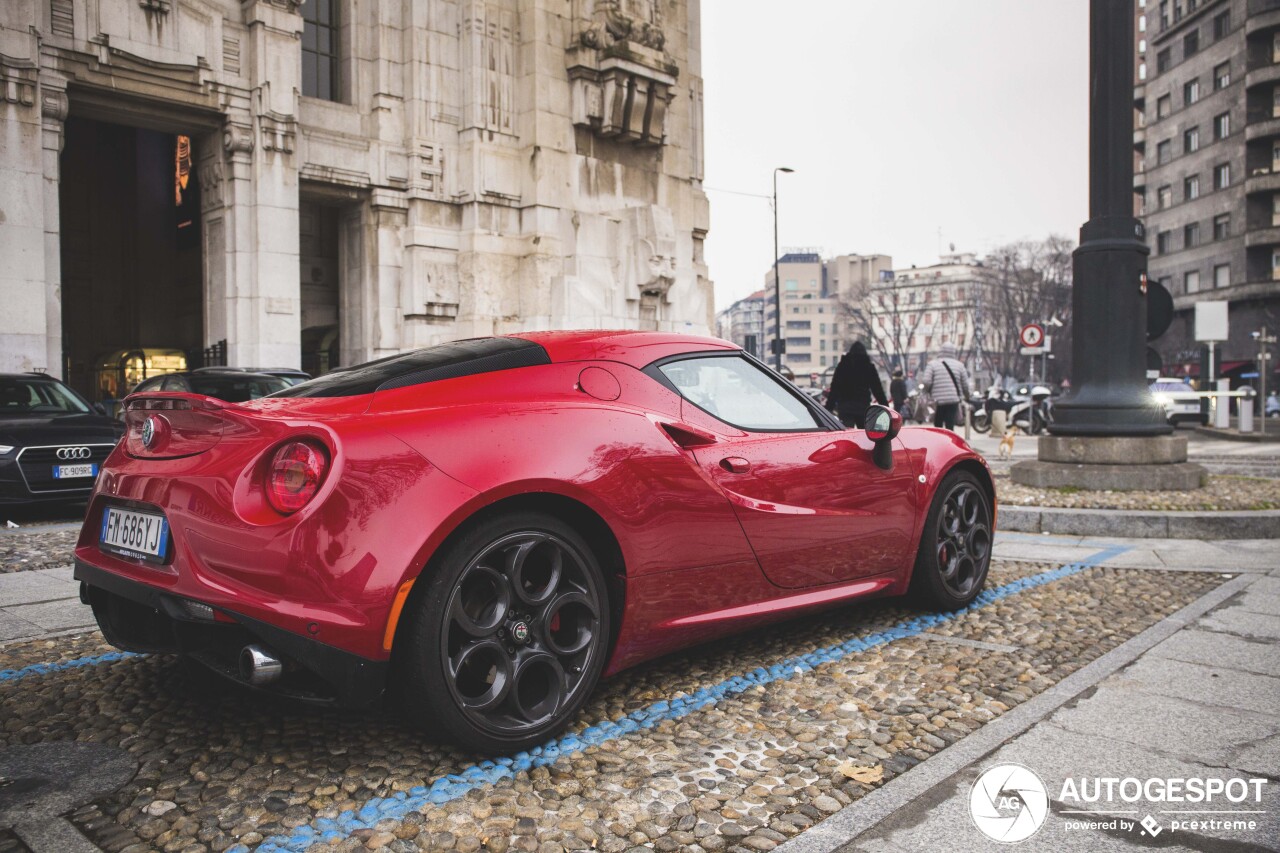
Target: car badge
(520, 632)
(148, 432)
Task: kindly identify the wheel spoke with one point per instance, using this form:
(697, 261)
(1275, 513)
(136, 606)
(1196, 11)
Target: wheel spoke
(535, 568)
(482, 674)
(481, 601)
(570, 622)
(538, 687)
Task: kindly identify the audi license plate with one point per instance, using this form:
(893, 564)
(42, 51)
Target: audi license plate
(140, 535)
(71, 472)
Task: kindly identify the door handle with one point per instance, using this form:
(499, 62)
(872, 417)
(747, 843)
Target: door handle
(735, 464)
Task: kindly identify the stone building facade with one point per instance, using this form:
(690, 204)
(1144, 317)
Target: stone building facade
(1207, 143)
(327, 182)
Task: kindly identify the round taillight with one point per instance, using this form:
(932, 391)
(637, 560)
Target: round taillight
(296, 471)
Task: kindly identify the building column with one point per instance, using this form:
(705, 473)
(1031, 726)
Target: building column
(260, 298)
(30, 338)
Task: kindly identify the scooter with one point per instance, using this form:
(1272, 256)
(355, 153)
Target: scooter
(1034, 412)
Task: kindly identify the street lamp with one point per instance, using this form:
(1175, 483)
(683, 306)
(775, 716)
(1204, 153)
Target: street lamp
(778, 345)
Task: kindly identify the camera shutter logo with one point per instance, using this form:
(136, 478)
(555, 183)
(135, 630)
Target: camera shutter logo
(1008, 803)
(67, 454)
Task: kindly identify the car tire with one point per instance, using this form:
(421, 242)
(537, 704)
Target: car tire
(507, 635)
(955, 545)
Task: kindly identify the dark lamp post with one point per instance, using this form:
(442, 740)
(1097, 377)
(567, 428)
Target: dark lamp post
(1109, 395)
(778, 346)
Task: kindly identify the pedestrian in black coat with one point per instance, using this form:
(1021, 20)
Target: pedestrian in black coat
(853, 385)
(898, 391)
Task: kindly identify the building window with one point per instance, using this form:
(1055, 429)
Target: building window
(1190, 92)
(1222, 275)
(1222, 25)
(1164, 151)
(1164, 197)
(1275, 264)
(1164, 14)
(1164, 242)
(1191, 188)
(1222, 76)
(1191, 281)
(320, 49)
(1142, 71)
(1191, 140)
(1222, 126)
(798, 342)
(798, 324)
(1221, 176)
(1191, 236)
(1163, 61)
(1164, 106)
(1222, 226)
(1275, 209)
(1142, 23)
(1191, 43)
(1275, 102)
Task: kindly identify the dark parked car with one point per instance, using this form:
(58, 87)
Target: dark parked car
(52, 440)
(290, 375)
(234, 386)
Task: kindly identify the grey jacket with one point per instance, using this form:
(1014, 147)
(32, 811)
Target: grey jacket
(939, 385)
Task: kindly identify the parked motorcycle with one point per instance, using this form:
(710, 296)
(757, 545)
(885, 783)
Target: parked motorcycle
(1031, 409)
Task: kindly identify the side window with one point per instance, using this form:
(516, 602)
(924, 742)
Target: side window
(739, 393)
(149, 385)
(173, 383)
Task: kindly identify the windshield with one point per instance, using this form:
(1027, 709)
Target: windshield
(1171, 386)
(20, 397)
(236, 389)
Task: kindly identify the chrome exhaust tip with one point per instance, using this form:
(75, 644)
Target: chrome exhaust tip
(259, 667)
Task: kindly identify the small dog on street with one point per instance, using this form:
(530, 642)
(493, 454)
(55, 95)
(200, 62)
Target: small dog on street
(1006, 443)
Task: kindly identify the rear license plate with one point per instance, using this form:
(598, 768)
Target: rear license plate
(71, 472)
(140, 535)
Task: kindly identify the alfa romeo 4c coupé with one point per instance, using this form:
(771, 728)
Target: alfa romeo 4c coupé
(478, 531)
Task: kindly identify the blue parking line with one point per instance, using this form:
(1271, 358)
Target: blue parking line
(488, 772)
(42, 668)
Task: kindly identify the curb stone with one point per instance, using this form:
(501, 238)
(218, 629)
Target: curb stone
(1258, 524)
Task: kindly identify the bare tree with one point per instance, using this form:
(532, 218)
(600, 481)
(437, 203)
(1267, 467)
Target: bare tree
(885, 319)
(1026, 282)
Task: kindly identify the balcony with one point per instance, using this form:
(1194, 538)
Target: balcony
(1262, 18)
(1269, 236)
(1261, 126)
(1140, 95)
(1265, 183)
(1139, 137)
(1262, 75)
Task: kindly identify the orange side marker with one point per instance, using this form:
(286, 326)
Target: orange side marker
(396, 606)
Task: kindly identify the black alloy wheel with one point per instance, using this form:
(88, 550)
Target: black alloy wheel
(955, 548)
(511, 636)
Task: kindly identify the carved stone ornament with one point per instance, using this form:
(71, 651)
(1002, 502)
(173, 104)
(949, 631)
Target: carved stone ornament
(17, 81)
(614, 21)
(278, 133)
(160, 7)
(237, 138)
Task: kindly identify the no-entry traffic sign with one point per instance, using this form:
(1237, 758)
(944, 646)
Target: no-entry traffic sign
(1032, 335)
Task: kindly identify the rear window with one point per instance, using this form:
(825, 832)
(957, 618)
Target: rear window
(446, 361)
(235, 389)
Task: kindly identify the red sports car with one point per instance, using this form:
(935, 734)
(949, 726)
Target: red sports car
(480, 530)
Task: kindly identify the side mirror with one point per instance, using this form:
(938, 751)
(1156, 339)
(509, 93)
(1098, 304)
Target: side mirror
(883, 425)
(100, 409)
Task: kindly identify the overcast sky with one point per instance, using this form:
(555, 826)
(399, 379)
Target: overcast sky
(900, 119)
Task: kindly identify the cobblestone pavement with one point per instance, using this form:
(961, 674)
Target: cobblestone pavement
(736, 745)
(31, 549)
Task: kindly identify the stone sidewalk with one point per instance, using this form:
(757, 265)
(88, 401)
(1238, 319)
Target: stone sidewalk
(1195, 696)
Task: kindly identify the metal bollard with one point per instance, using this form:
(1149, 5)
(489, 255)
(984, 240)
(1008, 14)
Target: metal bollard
(1222, 405)
(1246, 414)
(968, 420)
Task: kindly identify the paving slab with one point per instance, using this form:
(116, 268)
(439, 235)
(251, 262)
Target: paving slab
(1209, 734)
(54, 615)
(31, 587)
(1222, 650)
(12, 627)
(1238, 620)
(1221, 686)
